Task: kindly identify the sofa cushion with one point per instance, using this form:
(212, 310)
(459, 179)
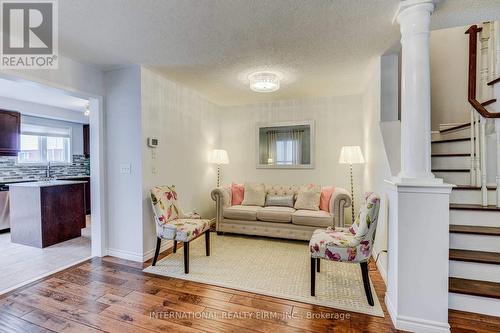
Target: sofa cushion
(275, 214)
(237, 193)
(279, 200)
(240, 212)
(308, 199)
(255, 195)
(313, 218)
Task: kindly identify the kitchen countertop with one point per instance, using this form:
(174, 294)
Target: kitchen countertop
(24, 180)
(47, 183)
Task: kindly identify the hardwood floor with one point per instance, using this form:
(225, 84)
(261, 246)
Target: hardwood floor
(114, 295)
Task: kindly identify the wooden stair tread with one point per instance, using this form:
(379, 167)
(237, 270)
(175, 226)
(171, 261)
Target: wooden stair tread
(492, 82)
(473, 188)
(451, 140)
(474, 287)
(474, 230)
(449, 129)
(473, 207)
(475, 256)
(450, 155)
(450, 170)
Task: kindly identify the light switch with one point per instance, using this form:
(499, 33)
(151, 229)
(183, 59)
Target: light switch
(125, 168)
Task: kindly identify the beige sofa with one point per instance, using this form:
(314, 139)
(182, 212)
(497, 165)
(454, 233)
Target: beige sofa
(281, 222)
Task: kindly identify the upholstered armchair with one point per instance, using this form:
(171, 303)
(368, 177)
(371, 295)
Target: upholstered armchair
(173, 224)
(352, 245)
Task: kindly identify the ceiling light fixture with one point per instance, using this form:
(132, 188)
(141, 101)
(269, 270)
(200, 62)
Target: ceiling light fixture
(264, 81)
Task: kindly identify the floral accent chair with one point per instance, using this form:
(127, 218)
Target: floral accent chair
(353, 245)
(173, 224)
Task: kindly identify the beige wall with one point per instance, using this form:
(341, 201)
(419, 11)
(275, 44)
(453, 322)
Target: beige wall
(449, 64)
(187, 127)
(337, 123)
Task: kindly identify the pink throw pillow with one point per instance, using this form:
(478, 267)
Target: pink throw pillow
(324, 200)
(237, 193)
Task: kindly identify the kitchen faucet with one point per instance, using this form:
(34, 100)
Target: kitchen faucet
(47, 172)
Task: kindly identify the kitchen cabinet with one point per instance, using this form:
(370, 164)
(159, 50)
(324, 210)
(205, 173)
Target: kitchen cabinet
(10, 132)
(86, 141)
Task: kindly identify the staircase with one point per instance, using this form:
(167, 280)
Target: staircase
(474, 228)
(468, 155)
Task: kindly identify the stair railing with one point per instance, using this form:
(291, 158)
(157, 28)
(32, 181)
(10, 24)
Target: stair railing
(489, 69)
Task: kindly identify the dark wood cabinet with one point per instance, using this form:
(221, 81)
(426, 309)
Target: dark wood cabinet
(86, 141)
(10, 132)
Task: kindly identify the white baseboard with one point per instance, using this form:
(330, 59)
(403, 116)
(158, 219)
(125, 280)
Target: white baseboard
(412, 324)
(165, 245)
(135, 256)
(123, 254)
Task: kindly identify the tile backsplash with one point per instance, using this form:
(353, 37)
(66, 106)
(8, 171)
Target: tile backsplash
(10, 170)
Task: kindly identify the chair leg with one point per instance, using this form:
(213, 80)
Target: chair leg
(157, 250)
(207, 242)
(318, 265)
(366, 282)
(186, 257)
(175, 246)
(313, 276)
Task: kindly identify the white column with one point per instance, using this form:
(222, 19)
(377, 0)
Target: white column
(418, 222)
(414, 19)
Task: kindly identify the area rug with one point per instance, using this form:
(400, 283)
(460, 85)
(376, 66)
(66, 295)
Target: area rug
(278, 268)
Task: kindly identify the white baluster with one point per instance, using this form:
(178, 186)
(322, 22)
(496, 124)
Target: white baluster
(497, 132)
(497, 47)
(472, 157)
(484, 190)
(477, 150)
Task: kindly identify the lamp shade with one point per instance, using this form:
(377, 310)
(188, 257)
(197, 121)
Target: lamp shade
(351, 155)
(218, 156)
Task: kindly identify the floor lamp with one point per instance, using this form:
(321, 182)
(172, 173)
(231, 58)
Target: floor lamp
(219, 157)
(351, 155)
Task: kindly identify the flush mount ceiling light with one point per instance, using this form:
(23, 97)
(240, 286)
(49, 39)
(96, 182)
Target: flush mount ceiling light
(264, 81)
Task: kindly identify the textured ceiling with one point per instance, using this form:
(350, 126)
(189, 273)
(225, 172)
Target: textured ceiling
(322, 47)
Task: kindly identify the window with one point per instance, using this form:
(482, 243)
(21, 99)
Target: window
(284, 151)
(42, 144)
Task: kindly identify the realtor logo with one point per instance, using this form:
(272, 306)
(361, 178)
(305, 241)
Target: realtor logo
(29, 38)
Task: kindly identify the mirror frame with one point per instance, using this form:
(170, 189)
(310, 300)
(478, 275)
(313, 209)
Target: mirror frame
(310, 123)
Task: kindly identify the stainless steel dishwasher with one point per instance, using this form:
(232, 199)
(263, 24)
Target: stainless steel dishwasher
(4, 207)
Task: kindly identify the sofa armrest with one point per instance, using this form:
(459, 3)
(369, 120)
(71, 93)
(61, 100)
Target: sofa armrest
(340, 200)
(222, 198)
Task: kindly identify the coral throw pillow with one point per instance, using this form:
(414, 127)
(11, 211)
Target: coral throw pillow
(324, 201)
(237, 193)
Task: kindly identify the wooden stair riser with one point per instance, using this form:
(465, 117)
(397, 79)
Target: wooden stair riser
(476, 304)
(475, 271)
(451, 162)
(475, 242)
(471, 197)
(475, 217)
(457, 178)
(454, 147)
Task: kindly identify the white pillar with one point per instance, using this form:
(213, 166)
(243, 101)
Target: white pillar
(414, 19)
(418, 242)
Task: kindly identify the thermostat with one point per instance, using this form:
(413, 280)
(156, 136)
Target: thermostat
(153, 142)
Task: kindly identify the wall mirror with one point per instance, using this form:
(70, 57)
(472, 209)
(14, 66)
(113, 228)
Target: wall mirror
(285, 145)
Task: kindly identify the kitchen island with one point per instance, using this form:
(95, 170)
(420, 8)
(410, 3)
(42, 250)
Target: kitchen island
(45, 213)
